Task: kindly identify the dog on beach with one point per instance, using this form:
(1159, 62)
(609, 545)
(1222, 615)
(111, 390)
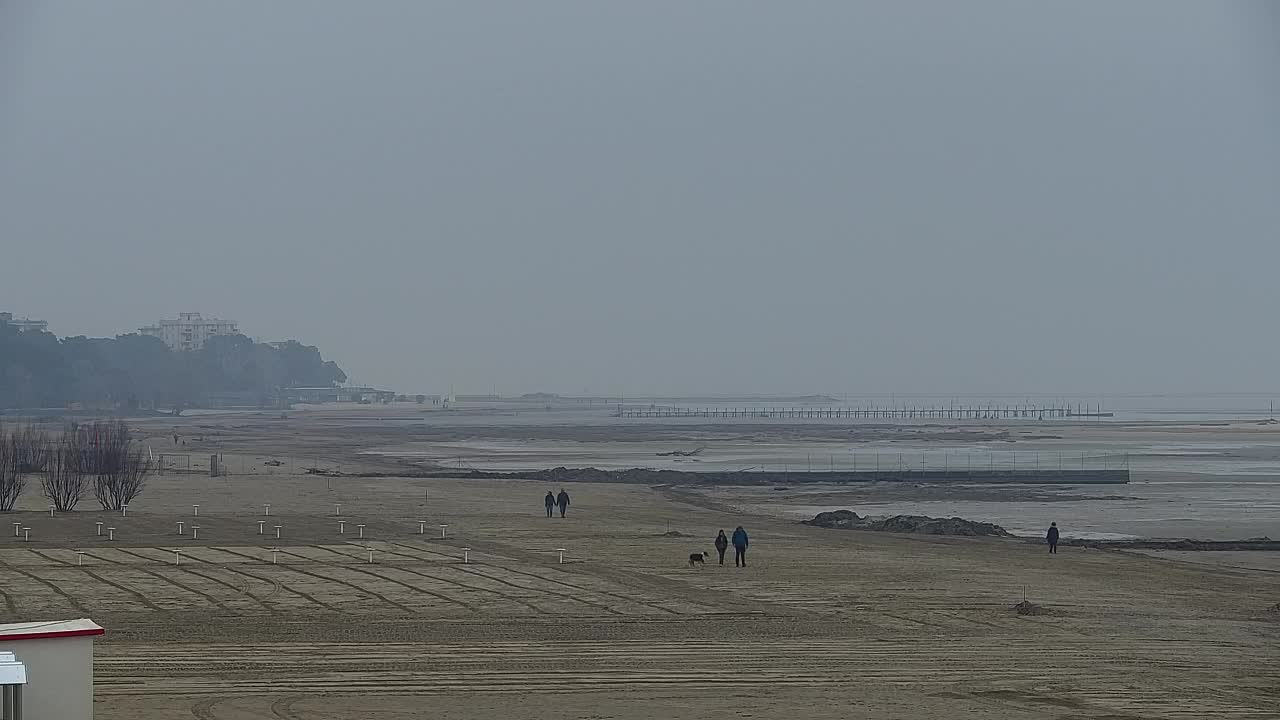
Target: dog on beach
(697, 558)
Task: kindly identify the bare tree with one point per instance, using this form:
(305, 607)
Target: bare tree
(22, 452)
(63, 479)
(12, 483)
(119, 467)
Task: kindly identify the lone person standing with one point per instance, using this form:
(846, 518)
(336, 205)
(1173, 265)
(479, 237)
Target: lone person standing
(739, 547)
(550, 502)
(1052, 538)
(563, 501)
(722, 544)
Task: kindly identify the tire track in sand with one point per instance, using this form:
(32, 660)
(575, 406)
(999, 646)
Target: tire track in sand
(380, 577)
(300, 571)
(75, 604)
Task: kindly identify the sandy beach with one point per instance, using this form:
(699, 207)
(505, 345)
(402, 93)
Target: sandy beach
(822, 624)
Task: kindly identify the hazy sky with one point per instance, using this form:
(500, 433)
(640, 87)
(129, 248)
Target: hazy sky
(953, 197)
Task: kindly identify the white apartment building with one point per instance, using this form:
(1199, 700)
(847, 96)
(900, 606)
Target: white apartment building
(23, 324)
(189, 331)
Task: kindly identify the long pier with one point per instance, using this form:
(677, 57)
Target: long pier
(951, 412)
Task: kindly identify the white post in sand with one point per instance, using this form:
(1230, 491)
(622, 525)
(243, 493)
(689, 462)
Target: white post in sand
(51, 509)
(180, 524)
(26, 534)
(561, 551)
(124, 511)
(361, 529)
(422, 527)
(275, 553)
(266, 509)
(337, 509)
(278, 529)
(79, 557)
(466, 555)
(195, 510)
(195, 531)
(177, 557)
(370, 556)
(442, 527)
(111, 533)
(17, 529)
(262, 524)
(342, 527)
(97, 524)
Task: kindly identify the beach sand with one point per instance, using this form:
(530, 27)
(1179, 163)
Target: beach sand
(822, 624)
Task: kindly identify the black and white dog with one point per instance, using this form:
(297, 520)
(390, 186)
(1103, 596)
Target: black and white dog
(697, 558)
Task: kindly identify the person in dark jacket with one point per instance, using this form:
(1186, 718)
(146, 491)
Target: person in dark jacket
(550, 502)
(563, 501)
(1052, 537)
(722, 544)
(739, 547)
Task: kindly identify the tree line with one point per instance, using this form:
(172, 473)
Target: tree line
(99, 457)
(128, 372)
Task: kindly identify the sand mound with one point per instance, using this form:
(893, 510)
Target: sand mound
(916, 524)
(1026, 607)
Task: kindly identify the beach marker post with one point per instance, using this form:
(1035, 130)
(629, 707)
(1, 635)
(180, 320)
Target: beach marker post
(361, 529)
(195, 531)
(111, 533)
(466, 556)
(195, 511)
(342, 527)
(79, 557)
(442, 527)
(262, 524)
(124, 511)
(98, 524)
(278, 529)
(561, 551)
(266, 509)
(177, 557)
(51, 509)
(275, 553)
(180, 524)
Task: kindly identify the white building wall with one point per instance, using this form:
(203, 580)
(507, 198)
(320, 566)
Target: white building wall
(59, 677)
(189, 331)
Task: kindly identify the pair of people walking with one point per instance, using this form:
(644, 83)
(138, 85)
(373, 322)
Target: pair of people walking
(740, 541)
(552, 501)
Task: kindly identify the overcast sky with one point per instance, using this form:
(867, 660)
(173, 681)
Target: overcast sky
(975, 197)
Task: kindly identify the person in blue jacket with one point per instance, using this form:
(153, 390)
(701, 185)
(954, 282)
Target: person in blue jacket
(739, 547)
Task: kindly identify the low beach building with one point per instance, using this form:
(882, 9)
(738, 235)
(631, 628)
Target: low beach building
(56, 660)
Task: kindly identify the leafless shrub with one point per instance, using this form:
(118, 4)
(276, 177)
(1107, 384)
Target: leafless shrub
(119, 467)
(64, 479)
(22, 452)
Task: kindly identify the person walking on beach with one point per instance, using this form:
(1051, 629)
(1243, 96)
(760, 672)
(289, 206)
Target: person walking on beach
(739, 547)
(1052, 537)
(722, 544)
(563, 501)
(550, 502)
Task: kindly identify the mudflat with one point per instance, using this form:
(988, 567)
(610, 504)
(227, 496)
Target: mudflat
(821, 624)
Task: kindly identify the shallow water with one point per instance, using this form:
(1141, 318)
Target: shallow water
(1210, 509)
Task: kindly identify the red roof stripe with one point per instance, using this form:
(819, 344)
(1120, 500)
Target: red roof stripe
(50, 635)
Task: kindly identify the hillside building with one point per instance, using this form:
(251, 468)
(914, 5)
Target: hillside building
(189, 331)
